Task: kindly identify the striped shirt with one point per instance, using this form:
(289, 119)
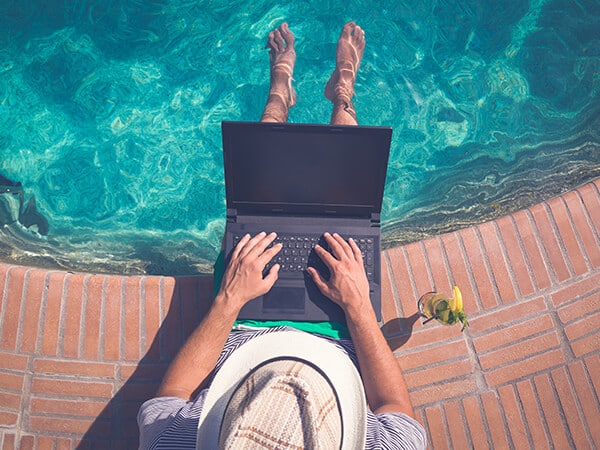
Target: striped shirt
(172, 423)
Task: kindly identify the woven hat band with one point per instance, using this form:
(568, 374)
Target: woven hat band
(284, 404)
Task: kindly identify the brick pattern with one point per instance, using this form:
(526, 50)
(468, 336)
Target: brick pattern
(79, 353)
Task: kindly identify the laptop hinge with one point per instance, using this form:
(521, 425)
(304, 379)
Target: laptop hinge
(231, 214)
(375, 219)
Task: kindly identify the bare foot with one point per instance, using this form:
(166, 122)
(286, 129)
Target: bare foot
(350, 48)
(283, 58)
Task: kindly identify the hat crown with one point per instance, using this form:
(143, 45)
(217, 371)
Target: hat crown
(284, 404)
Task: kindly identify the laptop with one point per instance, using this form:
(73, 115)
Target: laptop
(300, 181)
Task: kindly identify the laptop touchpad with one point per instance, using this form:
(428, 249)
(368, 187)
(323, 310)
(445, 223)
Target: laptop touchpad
(285, 299)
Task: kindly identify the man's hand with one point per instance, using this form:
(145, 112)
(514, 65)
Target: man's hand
(243, 278)
(348, 285)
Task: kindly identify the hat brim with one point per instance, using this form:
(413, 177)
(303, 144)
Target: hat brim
(334, 364)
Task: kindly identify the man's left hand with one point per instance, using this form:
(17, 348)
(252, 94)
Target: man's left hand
(243, 279)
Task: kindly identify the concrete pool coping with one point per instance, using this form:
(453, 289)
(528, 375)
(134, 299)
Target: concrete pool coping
(80, 352)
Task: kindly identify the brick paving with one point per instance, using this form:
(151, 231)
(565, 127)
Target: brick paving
(80, 352)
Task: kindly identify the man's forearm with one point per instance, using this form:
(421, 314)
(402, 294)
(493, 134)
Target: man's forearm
(384, 383)
(199, 354)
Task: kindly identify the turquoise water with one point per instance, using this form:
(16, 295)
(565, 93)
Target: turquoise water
(110, 114)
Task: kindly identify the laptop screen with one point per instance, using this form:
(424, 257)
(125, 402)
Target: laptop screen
(305, 169)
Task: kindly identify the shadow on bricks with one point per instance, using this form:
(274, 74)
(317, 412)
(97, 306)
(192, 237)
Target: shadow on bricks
(185, 301)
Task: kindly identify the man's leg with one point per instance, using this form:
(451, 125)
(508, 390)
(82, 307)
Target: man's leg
(340, 87)
(282, 56)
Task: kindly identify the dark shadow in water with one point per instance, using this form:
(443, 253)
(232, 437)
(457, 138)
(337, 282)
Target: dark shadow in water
(399, 330)
(115, 427)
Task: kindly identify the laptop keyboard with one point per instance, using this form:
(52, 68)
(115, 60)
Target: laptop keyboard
(297, 253)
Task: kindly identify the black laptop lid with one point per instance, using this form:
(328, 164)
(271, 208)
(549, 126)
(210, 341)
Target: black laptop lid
(301, 169)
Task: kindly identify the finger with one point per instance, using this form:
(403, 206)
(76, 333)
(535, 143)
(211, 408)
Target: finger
(318, 280)
(251, 243)
(260, 246)
(355, 250)
(339, 246)
(270, 253)
(238, 248)
(271, 277)
(325, 256)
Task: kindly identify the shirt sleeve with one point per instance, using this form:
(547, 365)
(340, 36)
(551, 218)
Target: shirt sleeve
(155, 416)
(394, 431)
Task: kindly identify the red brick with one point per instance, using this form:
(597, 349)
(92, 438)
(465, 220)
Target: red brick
(65, 425)
(65, 444)
(10, 401)
(72, 315)
(516, 256)
(437, 263)
(512, 333)
(479, 269)
(476, 423)
(444, 391)
(142, 372)
(171, 329)
(593, 366)
(495, 421)
(498, 263)
(401, 278)
(534, 419)
(418, 267)
(27, 443)
(550, 242)
(591, 202)
(529, 366)
(585, 396)
(514, 416)
(502, 317)
(44, 443)
(590, 244)
(132, 318)
(551, 412)
(61, 407)
(51, 313)
(152, 316)
(33, 303)
(389, 311)
(431, 332)
(74, 368)
(56, 386)
(8, 419)
(11, 381)
(570, 410)
(442, 351)
(93, 316)
(436, 427)
(8, 443)
(189, 292)
(456, 421)
(113, 302)
(588, 344)
(579, 308)
(460, 271)
(439, 374)
(568, 236)
(521, 349)
(139, 391)
(580, 288)
(532, 246)
(9, 327)
(13, 361)
(586, 325)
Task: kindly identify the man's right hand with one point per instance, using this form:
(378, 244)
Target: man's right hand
(348, 285)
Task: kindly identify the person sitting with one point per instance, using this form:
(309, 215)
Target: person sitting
(240, 387)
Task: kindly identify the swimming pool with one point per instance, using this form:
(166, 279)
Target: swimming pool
(110, 114)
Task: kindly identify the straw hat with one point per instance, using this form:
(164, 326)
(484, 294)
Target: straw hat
(285, 389)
